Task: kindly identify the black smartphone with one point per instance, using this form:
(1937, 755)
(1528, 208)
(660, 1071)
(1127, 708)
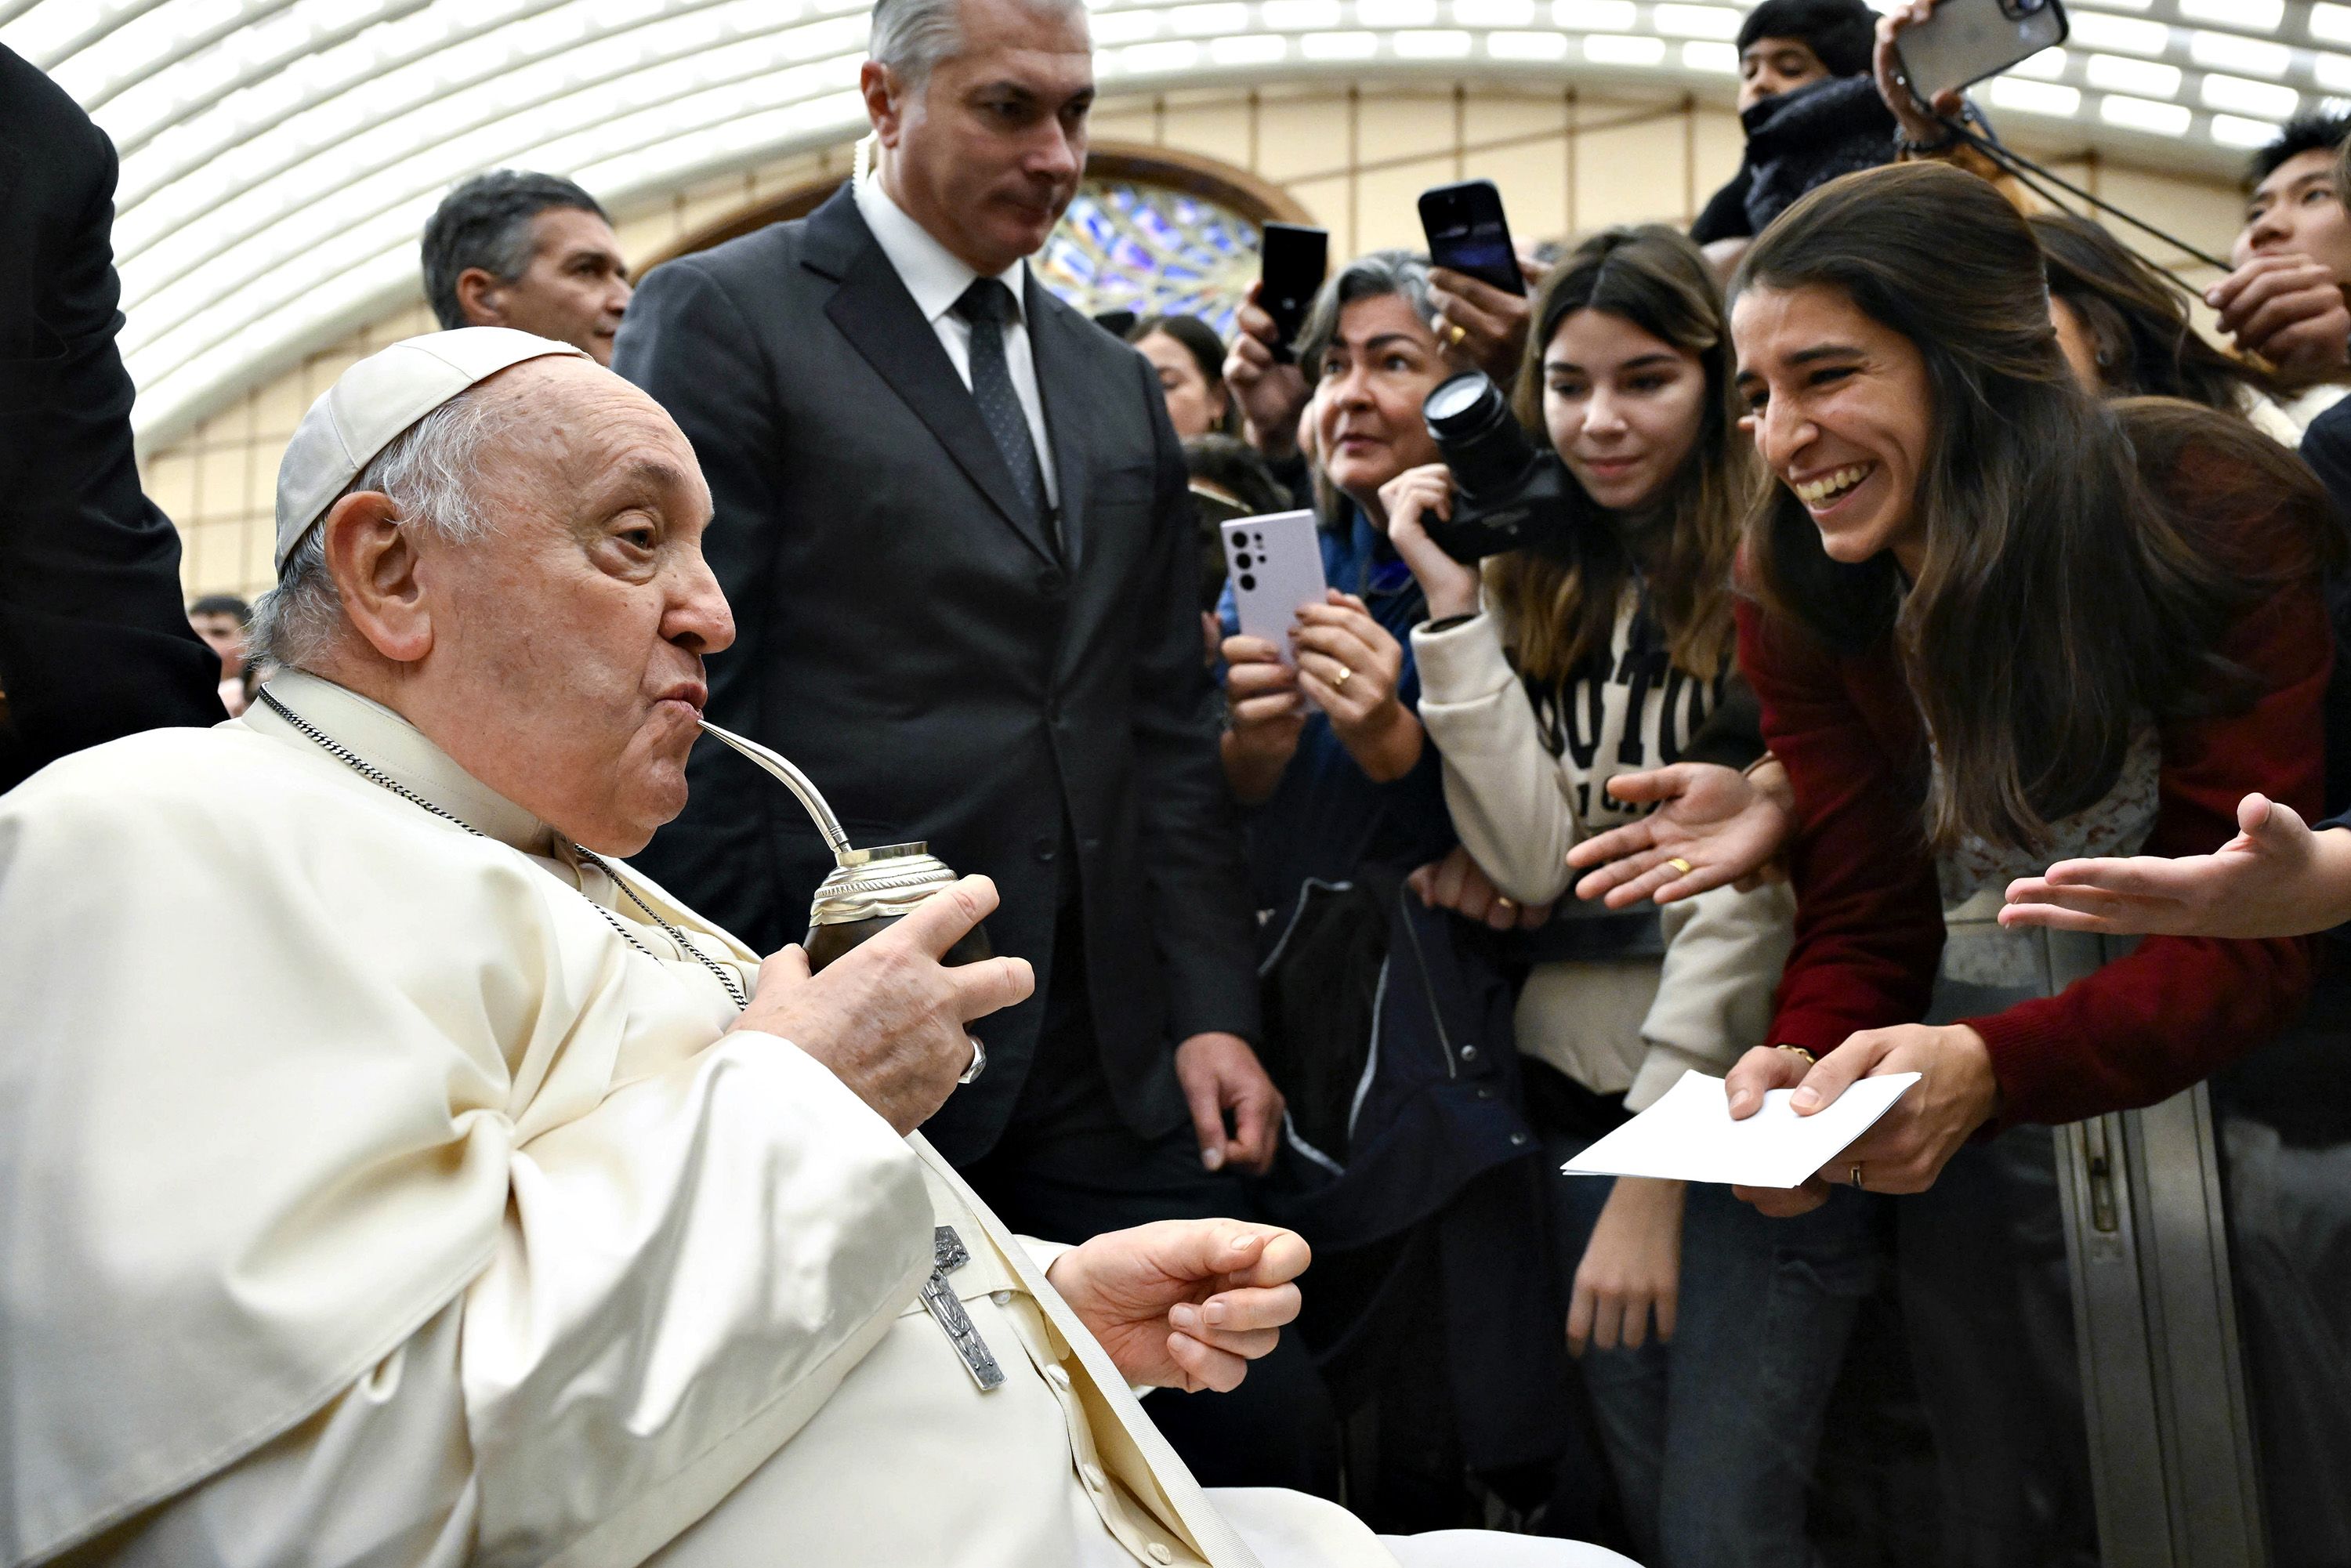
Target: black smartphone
(1295, 257)
(1467, 234)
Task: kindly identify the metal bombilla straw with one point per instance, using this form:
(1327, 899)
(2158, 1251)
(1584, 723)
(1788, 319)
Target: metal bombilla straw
(867, 889)
(797, 783)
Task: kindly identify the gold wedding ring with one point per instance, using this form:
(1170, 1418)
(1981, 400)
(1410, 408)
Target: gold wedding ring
(1857, 1173)
(1345, 672)
(1458, 332)
(1503, 900)
(1680, 864)
(1809, 1059)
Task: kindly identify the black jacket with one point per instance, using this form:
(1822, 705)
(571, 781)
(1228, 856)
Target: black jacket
(1795, 141)
(94, 642)
(1409, 1165)
(910, 638)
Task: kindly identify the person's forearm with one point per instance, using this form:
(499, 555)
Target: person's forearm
(1386, 747)
(1251, 774)
(1502, 786)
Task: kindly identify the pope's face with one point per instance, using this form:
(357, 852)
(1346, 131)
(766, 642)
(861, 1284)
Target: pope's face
(568, 645)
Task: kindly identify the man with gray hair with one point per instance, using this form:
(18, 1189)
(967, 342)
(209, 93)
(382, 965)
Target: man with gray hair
(955, 524)
(534, 251)
(501, 1209)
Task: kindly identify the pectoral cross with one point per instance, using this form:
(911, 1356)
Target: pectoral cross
(949, 1254)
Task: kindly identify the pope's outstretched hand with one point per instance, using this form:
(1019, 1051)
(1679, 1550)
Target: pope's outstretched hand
(1185, 1303)
(887, 1017)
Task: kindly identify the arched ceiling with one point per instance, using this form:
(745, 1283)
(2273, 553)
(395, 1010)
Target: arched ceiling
(279, 157)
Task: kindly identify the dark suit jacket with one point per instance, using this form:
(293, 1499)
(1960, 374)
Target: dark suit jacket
(912, 641)
(94, 642)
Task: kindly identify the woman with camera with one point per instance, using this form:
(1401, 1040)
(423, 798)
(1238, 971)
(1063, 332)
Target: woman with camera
(1600, 645)
(1997, 621)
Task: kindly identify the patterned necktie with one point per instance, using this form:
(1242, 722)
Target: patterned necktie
(988, 305)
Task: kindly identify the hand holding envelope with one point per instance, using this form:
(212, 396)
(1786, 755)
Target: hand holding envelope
(1689, 1135)
(1894, 1104)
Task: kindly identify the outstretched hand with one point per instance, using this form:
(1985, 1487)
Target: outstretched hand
(2275, 878)
(1724, 827)
(1185, 1303)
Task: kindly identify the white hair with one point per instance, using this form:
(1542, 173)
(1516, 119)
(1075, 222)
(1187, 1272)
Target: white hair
(909, 36)
(430, 472)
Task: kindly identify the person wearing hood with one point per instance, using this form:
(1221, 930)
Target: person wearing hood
(1809, 110)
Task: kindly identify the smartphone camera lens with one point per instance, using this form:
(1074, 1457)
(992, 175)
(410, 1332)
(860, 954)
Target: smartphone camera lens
(1249, 584)
(1242, 560)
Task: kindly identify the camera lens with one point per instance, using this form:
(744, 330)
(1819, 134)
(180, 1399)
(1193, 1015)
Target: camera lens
(1249, 584)
(1242, 560)
(1471, 424)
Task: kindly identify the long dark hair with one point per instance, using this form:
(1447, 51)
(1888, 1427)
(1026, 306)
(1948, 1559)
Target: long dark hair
(2147, 345)
(2063, 600)
(1207, 350)
(1560, 611)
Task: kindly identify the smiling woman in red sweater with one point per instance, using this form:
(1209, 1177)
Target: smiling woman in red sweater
(1993, 621)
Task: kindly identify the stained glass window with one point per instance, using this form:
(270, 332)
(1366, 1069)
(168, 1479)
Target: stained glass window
(1124, 246)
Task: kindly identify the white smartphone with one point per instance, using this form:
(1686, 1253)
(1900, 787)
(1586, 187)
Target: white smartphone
(1967, 40)
(1275, 565)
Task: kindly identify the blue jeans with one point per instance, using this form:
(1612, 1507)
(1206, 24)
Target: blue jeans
(1712, 1437)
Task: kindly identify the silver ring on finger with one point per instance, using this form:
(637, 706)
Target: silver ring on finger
(1857, 1173)
(979, 1063)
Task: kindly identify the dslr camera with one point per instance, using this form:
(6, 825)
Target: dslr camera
(1510, 492)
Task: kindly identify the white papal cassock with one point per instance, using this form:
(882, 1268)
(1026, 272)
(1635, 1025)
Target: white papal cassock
(369, 1200)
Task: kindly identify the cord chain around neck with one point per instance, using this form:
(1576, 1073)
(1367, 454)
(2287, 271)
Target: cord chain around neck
(376, 775)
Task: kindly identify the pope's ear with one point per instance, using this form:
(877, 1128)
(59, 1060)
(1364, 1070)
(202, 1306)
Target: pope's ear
(372, 558)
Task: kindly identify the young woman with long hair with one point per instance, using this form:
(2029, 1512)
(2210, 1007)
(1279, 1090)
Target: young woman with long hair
(2126, 330)
(1996, 621)
(1543, 677)
(1189, 359)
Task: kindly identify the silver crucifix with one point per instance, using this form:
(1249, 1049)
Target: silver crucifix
(949, 1254)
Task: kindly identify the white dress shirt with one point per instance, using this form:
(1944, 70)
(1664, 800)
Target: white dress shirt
(936, 278)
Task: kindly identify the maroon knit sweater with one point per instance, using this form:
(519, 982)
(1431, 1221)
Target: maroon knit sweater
(1869, 923)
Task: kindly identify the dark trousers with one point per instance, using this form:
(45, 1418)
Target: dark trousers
(1986, 1298)
(1069, 1169)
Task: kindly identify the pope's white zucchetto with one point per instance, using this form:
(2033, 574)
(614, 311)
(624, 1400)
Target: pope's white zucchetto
(370, 404)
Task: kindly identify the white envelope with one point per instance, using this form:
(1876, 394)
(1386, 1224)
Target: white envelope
(1688, 1134)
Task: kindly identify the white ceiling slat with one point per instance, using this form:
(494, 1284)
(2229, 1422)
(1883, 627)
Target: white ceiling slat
(92, 34)
(255, 72)
(378, 152)
(193, 44)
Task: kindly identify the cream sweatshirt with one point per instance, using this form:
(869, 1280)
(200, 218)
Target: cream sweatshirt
(1629, 1026)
